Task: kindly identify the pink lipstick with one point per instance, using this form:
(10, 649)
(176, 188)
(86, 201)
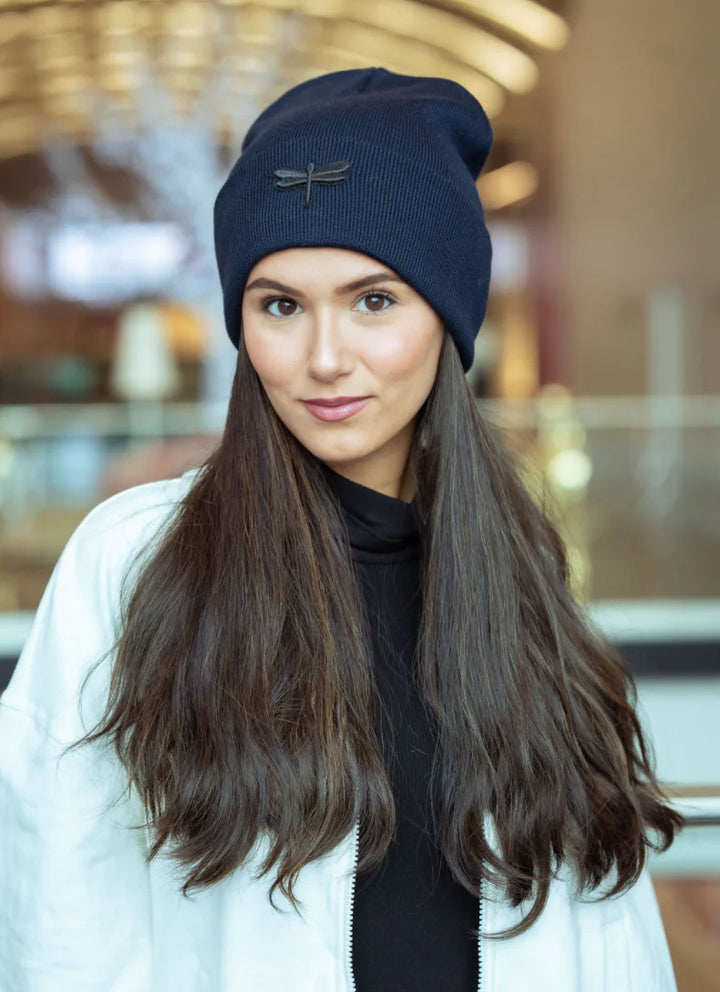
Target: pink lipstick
(339, 408)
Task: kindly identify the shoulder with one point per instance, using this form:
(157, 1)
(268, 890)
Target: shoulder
(133, 513)
(106, 542)
(113, 539)
(78, 618)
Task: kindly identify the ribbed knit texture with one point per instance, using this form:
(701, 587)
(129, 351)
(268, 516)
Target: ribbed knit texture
(411, 921)
(415, 146)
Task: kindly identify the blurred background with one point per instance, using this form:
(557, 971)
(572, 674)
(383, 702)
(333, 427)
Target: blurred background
(599, 358)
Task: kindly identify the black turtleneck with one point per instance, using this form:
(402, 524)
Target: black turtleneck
(411, 920)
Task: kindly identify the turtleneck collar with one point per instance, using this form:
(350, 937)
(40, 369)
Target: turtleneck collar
(378, 525)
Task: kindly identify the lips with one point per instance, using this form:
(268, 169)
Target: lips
(339, 408)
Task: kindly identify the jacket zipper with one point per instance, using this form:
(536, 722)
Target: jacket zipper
(480, 919)
(348, 962)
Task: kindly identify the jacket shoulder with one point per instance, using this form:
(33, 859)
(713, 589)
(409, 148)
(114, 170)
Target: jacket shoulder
(131, 513)
(111, 540)
(78, 619)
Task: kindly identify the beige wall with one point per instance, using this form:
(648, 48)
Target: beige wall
(634, 141)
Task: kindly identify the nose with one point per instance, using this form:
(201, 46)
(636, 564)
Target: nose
(328, 356)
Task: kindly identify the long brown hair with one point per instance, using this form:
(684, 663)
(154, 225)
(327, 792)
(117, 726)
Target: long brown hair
(242, 697)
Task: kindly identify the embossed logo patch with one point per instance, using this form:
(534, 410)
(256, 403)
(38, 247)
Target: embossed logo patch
(336, 172)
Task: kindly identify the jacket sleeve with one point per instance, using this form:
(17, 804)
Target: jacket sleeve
(581, 942)
(75, 913)
(639, 957)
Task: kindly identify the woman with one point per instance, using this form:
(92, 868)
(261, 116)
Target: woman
(334, 679)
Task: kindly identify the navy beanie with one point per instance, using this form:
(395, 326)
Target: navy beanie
(375, 162)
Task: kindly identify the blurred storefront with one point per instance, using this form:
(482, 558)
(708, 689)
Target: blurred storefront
(599, 357)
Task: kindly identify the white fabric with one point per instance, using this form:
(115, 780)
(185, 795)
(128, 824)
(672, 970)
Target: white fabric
(82, 911)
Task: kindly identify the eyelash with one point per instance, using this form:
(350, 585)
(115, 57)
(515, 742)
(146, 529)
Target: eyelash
(370, 292)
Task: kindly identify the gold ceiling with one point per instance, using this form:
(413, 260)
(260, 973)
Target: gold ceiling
(63, 64)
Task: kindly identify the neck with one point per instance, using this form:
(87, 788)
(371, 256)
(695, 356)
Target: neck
(399, 486)
(388, 471)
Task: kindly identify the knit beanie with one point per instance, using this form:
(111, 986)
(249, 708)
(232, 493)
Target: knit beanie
(375, 162)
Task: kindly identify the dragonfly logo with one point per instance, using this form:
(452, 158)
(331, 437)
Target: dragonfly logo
(336, 172)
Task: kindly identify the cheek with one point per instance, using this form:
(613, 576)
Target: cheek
(408, 355)
(273, 364)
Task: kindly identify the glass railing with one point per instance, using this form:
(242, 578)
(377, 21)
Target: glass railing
(632, 483)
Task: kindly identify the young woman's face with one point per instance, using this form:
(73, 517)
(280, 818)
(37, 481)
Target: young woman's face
(327, 323)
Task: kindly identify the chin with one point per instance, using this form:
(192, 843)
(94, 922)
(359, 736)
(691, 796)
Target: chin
(335, 442)
(336, 454)
(338, 449)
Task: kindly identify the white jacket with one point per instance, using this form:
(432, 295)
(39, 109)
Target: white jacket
(81, 911)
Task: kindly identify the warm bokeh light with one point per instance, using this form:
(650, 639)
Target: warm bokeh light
(509, 184)
(65, 64)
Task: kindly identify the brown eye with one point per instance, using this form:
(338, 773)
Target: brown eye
(283, 303)
(378, 298)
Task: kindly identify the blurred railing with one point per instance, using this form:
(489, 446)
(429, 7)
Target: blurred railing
(701, 807)
(633, 483)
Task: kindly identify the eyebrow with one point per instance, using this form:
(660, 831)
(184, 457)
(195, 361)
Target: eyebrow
(340, 291)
